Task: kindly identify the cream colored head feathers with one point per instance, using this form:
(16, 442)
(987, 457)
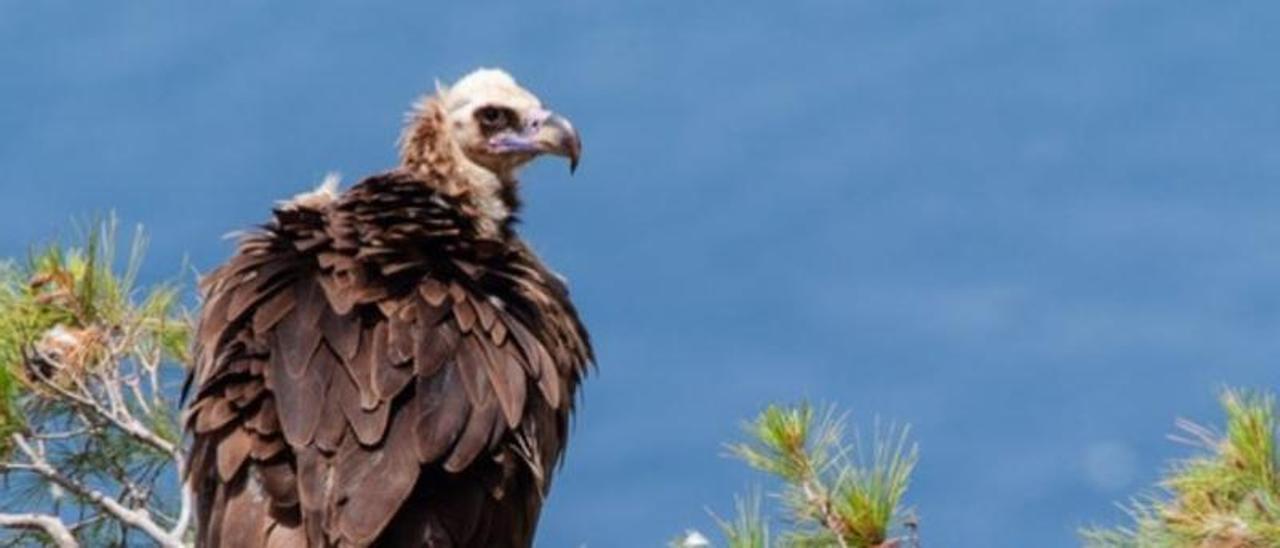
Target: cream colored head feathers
(472, 137)
(486, 119)
(482, 87)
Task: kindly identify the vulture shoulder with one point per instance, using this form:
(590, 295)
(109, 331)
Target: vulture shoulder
(354, 349)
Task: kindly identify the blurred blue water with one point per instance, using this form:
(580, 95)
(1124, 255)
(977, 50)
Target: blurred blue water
(1037, 231)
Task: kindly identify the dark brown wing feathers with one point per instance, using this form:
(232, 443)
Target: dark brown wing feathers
(373, 359)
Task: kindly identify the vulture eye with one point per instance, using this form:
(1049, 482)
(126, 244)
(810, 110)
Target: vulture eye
(494, 117)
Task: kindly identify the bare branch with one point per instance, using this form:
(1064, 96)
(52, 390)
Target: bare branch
(185, 506)
(139, 519)
(43, 436)
(127, 423)
(50, 525)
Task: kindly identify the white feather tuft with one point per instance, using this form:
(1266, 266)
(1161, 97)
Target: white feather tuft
(315, 199)
(486, 85)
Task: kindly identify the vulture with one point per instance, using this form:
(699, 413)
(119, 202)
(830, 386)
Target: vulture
(392, 365)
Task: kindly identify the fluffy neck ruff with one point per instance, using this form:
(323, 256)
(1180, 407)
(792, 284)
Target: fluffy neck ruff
(428, 149)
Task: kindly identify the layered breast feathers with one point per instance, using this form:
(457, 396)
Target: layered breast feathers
(352, 349)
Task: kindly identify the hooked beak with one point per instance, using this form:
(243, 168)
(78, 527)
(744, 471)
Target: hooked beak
(545, 133)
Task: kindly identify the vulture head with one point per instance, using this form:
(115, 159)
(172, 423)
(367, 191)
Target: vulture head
(484, 128)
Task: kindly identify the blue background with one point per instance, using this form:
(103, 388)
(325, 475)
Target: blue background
(1036, 230)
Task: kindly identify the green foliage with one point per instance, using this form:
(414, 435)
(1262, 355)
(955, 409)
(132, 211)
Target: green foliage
(1228, 497)
(23, 318)
(748, 529)
(835, 493)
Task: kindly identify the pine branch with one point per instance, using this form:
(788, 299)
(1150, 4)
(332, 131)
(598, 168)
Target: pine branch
(82, 409)
(835, 493)
(1229, 495)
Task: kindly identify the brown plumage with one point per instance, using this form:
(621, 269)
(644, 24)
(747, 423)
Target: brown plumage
(392, 366)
